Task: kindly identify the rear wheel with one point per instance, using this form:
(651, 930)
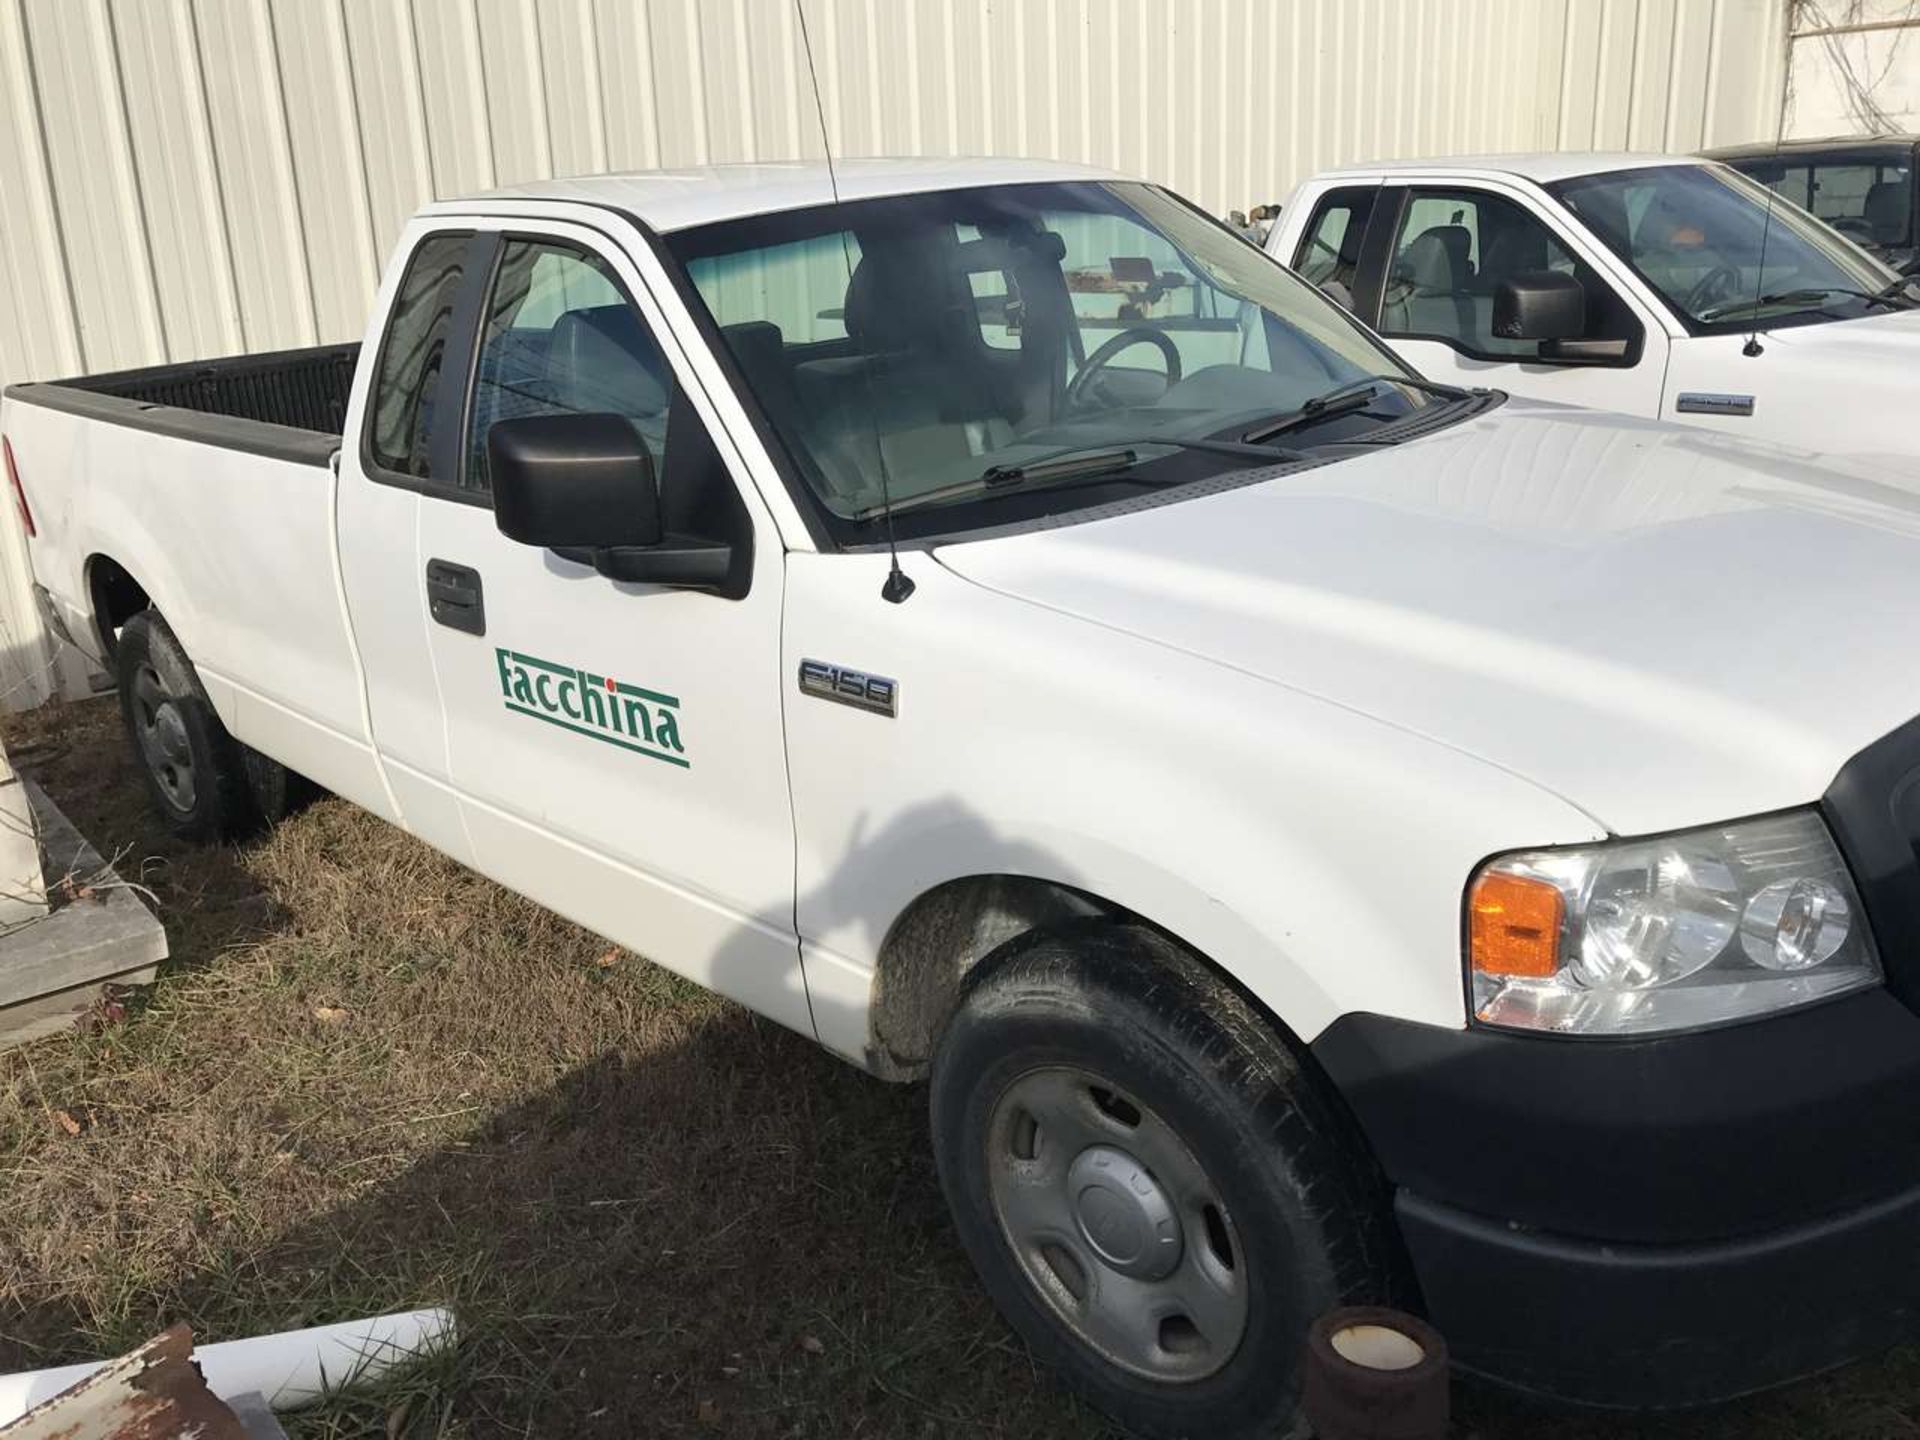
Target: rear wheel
(1157, 1195)
(195, 771)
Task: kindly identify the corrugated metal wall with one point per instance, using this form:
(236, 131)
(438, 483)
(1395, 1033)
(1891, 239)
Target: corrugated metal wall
(185, 178)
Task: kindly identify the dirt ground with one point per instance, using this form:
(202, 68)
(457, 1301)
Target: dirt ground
(369, 1080)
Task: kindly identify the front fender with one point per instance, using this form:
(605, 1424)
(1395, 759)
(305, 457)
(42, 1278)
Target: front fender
(1317, 855)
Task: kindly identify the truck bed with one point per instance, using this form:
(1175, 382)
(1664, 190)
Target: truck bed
(289, 404)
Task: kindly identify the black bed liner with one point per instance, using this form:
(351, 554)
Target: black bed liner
(286, 404)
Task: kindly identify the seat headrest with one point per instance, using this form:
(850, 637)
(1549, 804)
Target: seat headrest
(905, 298)
(758, 344)
(601, 359)
(1437, 258)
(877, 315)
(1888, 208)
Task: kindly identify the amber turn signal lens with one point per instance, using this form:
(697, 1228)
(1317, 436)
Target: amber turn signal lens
(1515, 925)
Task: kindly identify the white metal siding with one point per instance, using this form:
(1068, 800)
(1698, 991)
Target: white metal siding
(186, 178)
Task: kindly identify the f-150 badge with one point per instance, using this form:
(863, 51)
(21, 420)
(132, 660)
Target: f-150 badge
(850, 687)
(597, 706)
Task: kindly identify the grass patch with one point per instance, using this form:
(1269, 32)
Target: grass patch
(369, 1080)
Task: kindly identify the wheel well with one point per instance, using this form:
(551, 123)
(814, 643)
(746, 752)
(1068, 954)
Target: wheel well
(942, 936)
(116, 597)
(935, 943)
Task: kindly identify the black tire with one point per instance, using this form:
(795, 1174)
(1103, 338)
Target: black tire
(196, 772)
(277, 792)
(1309, 1223)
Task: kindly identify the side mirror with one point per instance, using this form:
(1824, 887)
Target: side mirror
(1540, 305)
(573, 481)
(583, 486)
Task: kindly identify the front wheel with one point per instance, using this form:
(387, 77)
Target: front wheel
(1157, 1196)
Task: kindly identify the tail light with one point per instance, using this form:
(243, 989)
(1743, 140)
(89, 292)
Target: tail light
(19, 494)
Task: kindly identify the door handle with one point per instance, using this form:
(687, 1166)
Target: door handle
(454, 597)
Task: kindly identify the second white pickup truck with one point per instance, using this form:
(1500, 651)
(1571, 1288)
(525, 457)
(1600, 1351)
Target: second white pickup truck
(1325, 836)
(1654, 285)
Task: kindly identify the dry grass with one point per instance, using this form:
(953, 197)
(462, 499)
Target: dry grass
(369, 1080)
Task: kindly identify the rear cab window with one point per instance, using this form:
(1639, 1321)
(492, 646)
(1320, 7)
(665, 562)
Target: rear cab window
(1865, 195)
(1329, 251)
(406, 397)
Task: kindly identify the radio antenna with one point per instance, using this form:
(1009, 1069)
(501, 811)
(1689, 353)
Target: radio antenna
(898, 584)
(1753, 346)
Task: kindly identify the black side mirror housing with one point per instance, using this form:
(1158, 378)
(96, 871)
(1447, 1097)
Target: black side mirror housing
(1540, 305)
(573, 481)
(584, 487)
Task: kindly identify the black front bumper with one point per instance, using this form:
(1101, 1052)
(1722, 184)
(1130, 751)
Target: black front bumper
(1677, 1219)
(1655, 1222)
(1656, 1326)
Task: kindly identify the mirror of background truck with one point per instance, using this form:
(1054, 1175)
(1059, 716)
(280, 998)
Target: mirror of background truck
(1540, 305)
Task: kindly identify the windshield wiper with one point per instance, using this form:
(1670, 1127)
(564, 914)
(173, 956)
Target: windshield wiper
(1809, 297)
(1072, 462)
(1345, 400)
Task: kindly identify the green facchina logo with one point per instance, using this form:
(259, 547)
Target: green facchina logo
(598, 706)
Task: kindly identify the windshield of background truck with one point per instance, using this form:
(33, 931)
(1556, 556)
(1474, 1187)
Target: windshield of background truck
(1694, 233)
(972, 328)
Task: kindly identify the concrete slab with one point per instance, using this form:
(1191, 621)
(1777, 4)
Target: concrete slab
(23, 892)
(52, 967)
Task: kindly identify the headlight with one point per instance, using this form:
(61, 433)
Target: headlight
(1699, 928)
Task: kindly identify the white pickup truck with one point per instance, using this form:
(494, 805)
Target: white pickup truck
(1325, 836)
(1653, 285)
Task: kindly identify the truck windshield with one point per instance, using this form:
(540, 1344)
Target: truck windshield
(948, 335)
(1695, 232)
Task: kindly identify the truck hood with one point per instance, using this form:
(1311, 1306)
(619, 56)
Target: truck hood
(1659, 625)
(1887, 338)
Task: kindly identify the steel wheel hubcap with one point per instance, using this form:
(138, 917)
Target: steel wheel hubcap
(1116, 1225)
(162, 735)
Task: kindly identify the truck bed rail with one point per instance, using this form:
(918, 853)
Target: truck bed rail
(288, 404)
(302, 389)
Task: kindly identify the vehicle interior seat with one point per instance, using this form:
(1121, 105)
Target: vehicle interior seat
(913, 378)
(1888, 210)
(1431, 293)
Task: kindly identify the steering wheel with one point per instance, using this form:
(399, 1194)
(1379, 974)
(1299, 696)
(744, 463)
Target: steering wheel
(1720, 283)
(1083, 380)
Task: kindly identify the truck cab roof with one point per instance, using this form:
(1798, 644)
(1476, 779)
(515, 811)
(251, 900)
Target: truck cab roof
(1541, 167)
(667, 200)
(1787, 149)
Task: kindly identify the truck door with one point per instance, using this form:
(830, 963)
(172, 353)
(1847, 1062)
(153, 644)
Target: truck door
(1431, 294)
(617, 747)
(395, 445)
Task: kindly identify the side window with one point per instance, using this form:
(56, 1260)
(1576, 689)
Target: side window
(1870, 203)
(1452, 250)
(559, 338)
(404, 390)
(1329, 253)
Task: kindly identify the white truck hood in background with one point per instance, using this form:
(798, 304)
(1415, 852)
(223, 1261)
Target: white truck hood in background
(1888, 338)
(1663, 627)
